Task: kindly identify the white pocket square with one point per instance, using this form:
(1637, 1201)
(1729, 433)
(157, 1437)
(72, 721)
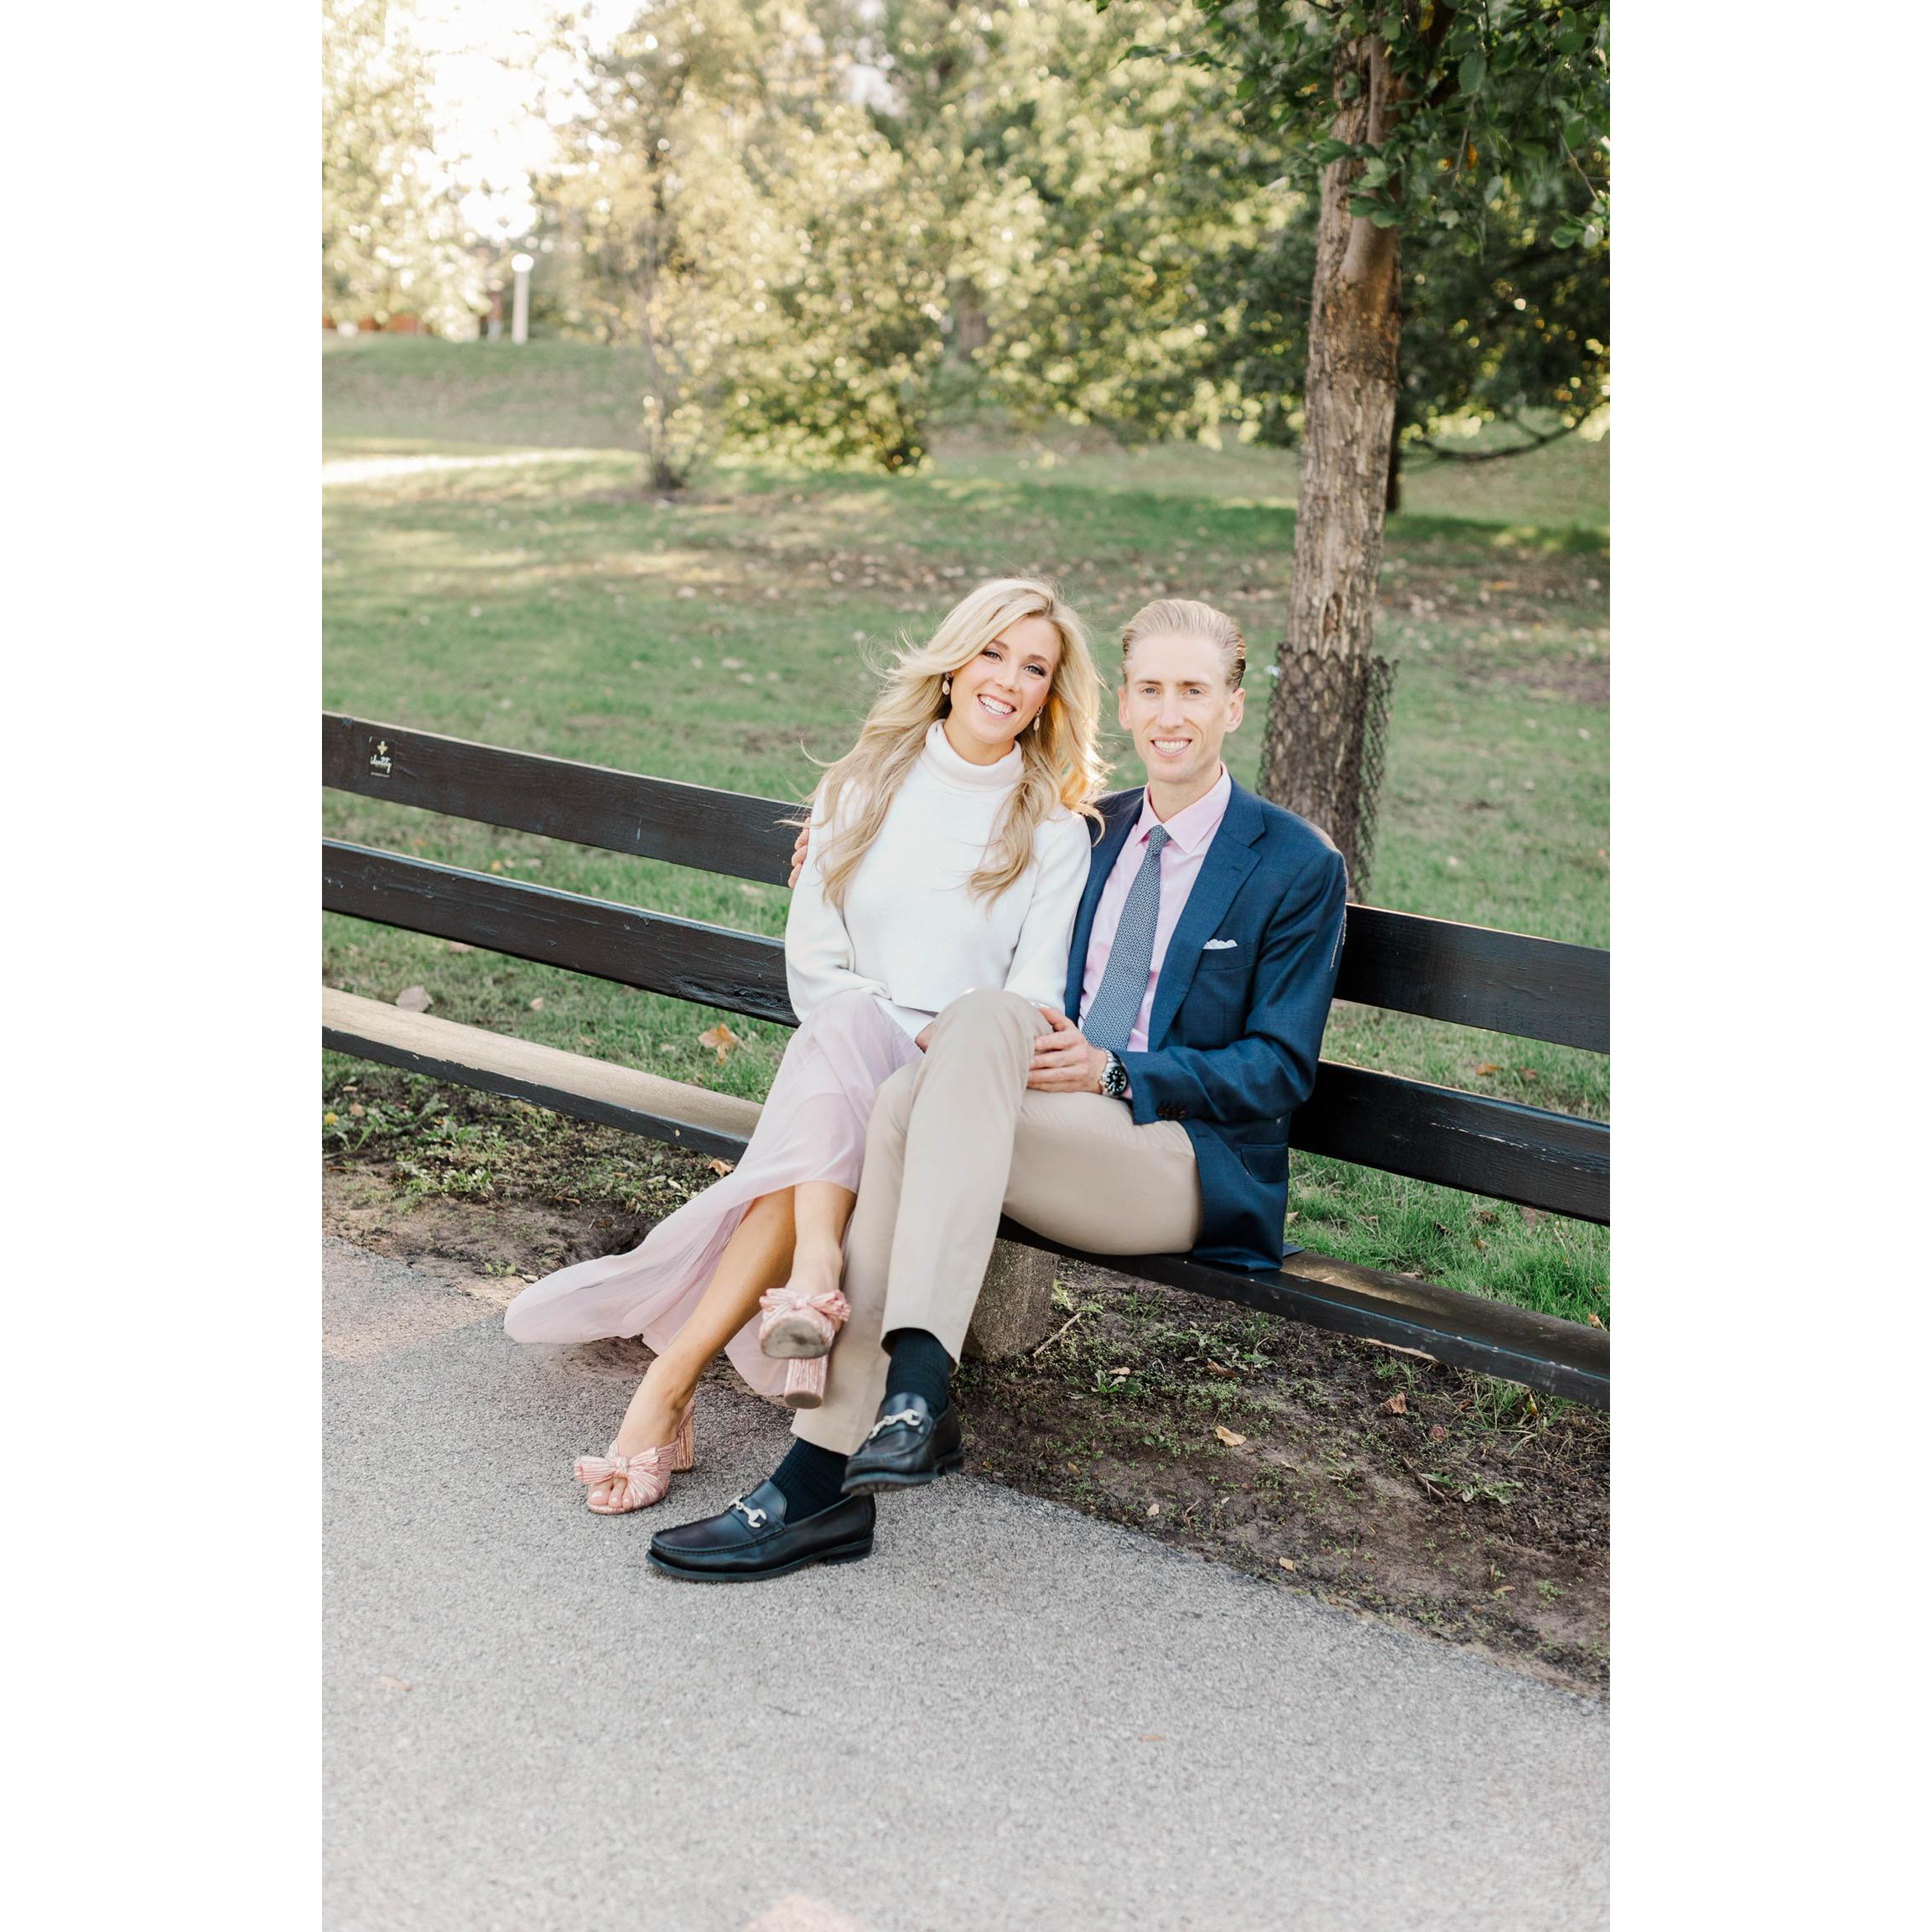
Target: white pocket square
(1220, 945)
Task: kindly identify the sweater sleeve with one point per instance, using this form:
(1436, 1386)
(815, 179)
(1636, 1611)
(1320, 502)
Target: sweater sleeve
(1038, 969)
(819, 956)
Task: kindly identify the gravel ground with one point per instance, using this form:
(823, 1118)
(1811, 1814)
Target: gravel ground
(1011, 1716)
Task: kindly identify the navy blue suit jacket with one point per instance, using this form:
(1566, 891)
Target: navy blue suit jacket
(1235, 1032)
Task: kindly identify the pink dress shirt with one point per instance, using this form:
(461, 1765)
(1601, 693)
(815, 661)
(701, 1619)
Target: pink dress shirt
(1189, 835)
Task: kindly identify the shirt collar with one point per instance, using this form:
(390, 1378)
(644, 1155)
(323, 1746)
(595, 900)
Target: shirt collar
(1191, 829)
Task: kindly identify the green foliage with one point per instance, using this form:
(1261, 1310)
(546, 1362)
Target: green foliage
(1091, 201)
(732, 210)
(392, 240)
(1514, 329)
(1492, 164)
(827, 229)
(1479, 97)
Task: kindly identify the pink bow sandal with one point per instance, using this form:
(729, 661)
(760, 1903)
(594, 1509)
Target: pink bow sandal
(799, 1327)
(639, 1480)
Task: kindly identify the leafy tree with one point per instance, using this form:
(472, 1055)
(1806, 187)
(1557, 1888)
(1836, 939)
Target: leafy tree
(735, 211)
(392, 240)
(1517, 332)
(1088, 199)
(1422, 119)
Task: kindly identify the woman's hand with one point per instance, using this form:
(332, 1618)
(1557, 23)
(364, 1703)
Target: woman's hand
(923, 1038)
(1063, 1061)
(798, 855)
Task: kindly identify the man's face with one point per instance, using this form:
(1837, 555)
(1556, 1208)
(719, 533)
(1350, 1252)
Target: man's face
(1174, 700)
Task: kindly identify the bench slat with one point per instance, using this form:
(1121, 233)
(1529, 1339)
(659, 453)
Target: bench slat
(1562, 1357)
(1473, 1141)
(1477, 976)
(1470, 975)
(724, 832)
(501, 1063)
(709, 965)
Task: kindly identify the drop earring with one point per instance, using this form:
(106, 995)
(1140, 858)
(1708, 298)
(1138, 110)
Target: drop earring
(1037, 716)
(946, 685)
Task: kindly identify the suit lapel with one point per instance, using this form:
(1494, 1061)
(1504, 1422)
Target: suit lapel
(1121, 812)
(1230, 859)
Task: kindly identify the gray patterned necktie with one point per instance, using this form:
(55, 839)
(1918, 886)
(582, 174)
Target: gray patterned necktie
(1123, 986)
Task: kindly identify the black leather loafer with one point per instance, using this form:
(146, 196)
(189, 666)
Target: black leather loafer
(909, 1445)
(752, 1540)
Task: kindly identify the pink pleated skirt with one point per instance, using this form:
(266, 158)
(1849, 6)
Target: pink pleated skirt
(812, 1128)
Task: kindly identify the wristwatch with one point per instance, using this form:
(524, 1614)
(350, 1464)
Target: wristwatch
(1113, 1080)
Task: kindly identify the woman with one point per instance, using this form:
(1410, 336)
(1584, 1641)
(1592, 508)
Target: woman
(949, 851)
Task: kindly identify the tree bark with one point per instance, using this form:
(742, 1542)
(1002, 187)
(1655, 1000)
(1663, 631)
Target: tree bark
(1311, 749)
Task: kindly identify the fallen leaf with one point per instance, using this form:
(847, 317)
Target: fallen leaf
(389, 1683)
(1528, 1072)
(1531, 1216)
(457, 946)
(721, 1039)
(1118, 1372)
(1436, 1432)
(1397, 1405)
(413, 999)
(537, 1004)
(1229, 1436)
(720, 1167)
(1153, 1509)
(1153, 1737)
(1487, 1068)
(1292, 1218)
(1216, 1368)
(1287, 1562)
(357, 1108)
(1594, 1319)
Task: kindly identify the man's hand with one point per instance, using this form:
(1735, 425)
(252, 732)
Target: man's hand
(798, 855)
(1063, 1062)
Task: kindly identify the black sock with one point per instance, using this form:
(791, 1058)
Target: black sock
(919, 1367)
(809, 1478)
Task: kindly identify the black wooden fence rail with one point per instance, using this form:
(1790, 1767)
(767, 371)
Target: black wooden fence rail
(1504, 982)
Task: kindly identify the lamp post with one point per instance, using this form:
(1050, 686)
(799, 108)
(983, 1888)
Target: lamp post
(520, 302)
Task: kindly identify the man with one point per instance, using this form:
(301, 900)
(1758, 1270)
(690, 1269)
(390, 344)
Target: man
(1150, 1117)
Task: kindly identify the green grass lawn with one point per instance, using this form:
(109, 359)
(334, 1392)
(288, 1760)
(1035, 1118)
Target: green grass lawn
(546, 602)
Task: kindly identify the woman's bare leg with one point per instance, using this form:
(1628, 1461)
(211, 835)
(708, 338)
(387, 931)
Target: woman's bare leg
(820, 1210)
(758, 1256)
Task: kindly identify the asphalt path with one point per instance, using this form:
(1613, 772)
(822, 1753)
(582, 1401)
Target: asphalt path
(1008, 1716)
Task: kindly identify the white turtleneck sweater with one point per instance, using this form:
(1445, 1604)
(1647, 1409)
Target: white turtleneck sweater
(911, 931)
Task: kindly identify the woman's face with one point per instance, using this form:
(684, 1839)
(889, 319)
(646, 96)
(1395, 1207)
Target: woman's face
(999, 693)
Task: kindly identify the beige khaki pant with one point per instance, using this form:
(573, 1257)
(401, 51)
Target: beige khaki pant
(952, 1142)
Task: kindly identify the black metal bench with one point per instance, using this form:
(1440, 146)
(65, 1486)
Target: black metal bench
(1506, 982)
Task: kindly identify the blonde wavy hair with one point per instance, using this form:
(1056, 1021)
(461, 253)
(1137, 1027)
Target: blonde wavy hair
(1060, 753)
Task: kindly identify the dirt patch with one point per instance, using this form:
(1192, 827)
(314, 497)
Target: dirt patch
(1573, 680)
(1438, 1500)
(1364, 1475)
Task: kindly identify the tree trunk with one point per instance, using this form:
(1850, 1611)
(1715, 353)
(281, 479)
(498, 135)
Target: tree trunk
(1312, 750)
